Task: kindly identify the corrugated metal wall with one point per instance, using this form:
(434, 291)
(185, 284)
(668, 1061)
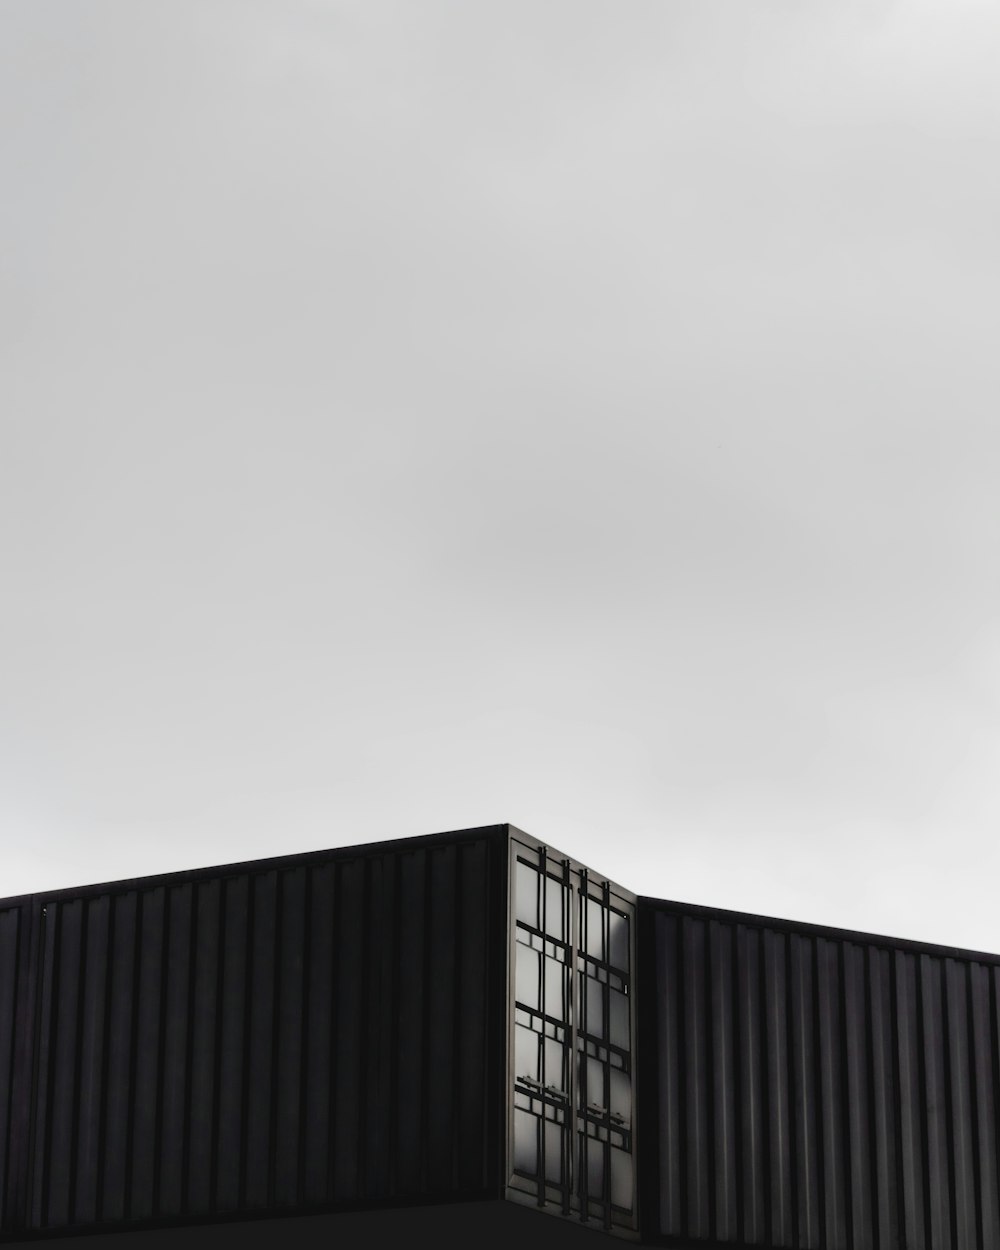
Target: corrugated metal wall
(804, 1089)
(16, 1043)
(291, 1035)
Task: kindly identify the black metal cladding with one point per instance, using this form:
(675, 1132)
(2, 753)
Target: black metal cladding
(804, 1088)
(306, 1033)
(329, 1031)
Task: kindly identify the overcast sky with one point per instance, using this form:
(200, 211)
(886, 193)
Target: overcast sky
(422, 415)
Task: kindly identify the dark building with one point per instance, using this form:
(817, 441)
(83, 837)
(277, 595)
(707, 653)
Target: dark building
(455, 1038)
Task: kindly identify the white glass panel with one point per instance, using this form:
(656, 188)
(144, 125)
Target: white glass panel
(526, 895)
(593, 1018)
(525, 1142)
(555, 988)
(618, 940)
(618, 1005)
(555, 1063)
(594, 936)
(621, 1095)
(553, 1152)
(525, 1052)
(594, 1092)
(595, 1168)
(621, 1179)
(555, 908)
(526, 977)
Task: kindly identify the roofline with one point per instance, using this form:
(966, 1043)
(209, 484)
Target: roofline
(268, 864)
(751, 920)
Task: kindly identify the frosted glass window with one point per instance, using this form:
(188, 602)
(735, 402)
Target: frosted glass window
(525, 1142)
(621, 1095)
(526, 976)
(618, 1006)
(555, 1063)
(553, 1152)
(621, 1179)
(618, 940)
(593, 1072)
(591, 933)
(555, 989)
(594, 1165)
(593, 1006)
(525, 1052)
(555, 910)
(526, 894)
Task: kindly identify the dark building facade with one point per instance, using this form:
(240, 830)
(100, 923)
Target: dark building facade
(455, 1033)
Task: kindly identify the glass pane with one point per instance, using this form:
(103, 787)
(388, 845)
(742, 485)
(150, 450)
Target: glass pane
(555, 1063)
(593, 1010)
(525, 1052)
(553, 1152)
(594, 1072)
(526, 977)
(618, 1005)
(621, 1095)
(594, 1167)
(621, 1179)
(592, 939)
(618, 940)
(525, 1142)
(555, 988)
(555, 900)
(526, 887)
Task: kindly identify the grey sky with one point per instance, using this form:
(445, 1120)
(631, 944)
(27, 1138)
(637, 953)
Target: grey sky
(583, 415)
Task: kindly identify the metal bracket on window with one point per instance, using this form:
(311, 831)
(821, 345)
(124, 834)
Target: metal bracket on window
(615, 1117)
(553, 1090)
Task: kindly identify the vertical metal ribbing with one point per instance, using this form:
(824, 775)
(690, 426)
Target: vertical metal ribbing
(570, 1036)
(850, 1197)
(606, 1017)
(41, 1197)
(276, 964)
(993, 1009)
(133, 1048)
(869, 1040)
(711, 1060)
(583, 1144)
(368, 1055)
(248, 970)
(683, 1102)
(28, 1170)
(790, 1057)
(921, 1110)
(949, 1102)
(543, 909)
(763, 1079)
(425, 1024)
(188, 1087)
(336, 1022)
(102, 1122)
(7, 1077)
(161, 1046)
(31, 947)
(74, 1139)
(737, 1070)
(213, 1184)
(899, 1197)
(307, 906)
(456, 1021)
(811, 1010)
(974, 1097)
(496, 1095)
(395, 977)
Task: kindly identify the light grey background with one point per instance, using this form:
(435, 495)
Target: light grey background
(416, 415)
